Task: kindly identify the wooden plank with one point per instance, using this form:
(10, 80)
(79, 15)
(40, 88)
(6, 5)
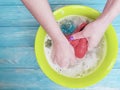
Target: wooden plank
(25, 36)
(13, 16)
(17, 36)
(18, 57)
(16, 47)
(64, 2)
(24, 57)
(16, 16)
(23, 79)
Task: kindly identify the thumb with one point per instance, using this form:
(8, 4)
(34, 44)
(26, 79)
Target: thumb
(76, 36)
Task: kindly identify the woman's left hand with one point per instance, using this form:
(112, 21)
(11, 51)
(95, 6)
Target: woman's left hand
(93, 32)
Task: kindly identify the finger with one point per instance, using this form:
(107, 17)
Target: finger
(72, 61)
(76, 36)
(54, 59)
(53, 56)
(63, 63)
(92, 43)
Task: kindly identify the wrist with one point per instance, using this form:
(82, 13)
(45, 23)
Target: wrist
(102, 22)
(99, 24)
(60, 38)
(107, 17)
(60, 41)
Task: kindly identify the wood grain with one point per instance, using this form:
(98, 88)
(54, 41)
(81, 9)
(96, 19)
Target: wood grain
(18, 66)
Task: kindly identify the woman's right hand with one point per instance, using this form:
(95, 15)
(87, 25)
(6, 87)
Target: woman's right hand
(63, 53)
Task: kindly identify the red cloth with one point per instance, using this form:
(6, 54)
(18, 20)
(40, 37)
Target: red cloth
(80, 45)
(81, 48)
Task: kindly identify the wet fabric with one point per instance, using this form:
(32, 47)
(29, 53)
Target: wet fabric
(80, 45)
(67, 27)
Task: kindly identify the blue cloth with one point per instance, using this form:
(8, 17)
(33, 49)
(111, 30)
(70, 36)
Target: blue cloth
(67, 27)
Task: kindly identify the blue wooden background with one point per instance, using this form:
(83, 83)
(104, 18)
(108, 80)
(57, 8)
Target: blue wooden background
(18, 67)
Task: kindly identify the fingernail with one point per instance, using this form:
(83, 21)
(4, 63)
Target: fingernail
(71, 38)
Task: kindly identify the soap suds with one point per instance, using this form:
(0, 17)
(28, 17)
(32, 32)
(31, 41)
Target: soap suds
(83, 66)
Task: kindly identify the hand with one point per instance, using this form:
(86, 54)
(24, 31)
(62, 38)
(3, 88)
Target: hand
(93, 32)
(63, 53)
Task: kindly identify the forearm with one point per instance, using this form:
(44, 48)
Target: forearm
(107, 5)
(40, 9)
(110, 12)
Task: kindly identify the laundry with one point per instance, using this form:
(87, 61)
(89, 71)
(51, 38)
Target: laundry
(81, 48)
(80, 45)
(67, 27)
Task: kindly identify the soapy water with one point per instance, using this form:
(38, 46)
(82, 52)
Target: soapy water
(69, 23)
(83, 66)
